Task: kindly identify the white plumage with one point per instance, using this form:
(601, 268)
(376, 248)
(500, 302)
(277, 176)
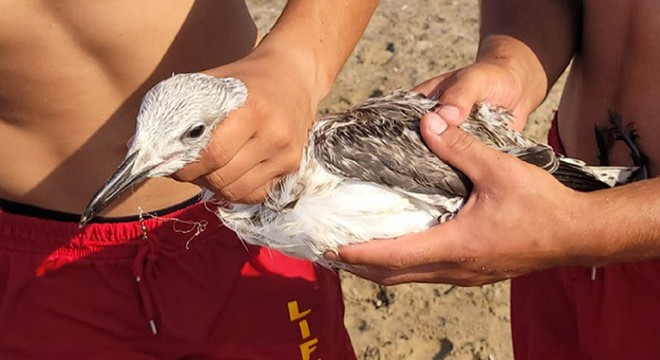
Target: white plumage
(328, 211)
(365, 174)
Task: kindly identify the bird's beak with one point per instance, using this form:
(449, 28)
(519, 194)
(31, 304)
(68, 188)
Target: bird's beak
(119, 182)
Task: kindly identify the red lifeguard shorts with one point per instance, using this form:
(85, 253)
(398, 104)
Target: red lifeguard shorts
(564, 314)
(175, 286)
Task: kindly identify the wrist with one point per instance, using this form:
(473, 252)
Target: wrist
(623, 223)
(299, 61)
(575, 230)
(599, 232)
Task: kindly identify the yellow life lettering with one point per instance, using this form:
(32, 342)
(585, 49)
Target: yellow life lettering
(310, 344)
(304, 329)
(307, 348)
(294, 311)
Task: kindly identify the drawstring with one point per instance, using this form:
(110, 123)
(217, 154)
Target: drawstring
(148, 252)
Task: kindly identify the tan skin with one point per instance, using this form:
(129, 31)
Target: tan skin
(519, 219)
(73, 73)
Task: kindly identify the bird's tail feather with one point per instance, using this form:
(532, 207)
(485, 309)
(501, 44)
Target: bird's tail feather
(578, 176)
(614, 175)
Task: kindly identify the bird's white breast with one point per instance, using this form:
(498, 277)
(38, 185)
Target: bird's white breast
(314, 211)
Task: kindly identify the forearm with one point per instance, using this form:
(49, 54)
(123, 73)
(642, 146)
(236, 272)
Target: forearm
(536, 38)
(321, 35)
(618, 225)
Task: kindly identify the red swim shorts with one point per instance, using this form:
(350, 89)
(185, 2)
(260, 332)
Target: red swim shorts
(173, 286)
(565, 314)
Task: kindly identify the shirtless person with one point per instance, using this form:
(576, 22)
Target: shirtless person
(173, 283)
(518, 219)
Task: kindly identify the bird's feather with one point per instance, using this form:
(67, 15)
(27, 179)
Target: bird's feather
(365, 173)
(379, 141)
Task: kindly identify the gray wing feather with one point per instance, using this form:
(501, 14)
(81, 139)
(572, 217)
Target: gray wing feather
(540, 155)
(379, 141)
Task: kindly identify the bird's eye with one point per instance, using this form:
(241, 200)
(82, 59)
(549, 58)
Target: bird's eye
(196, 131)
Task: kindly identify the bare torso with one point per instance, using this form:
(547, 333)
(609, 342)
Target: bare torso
(73, 73)
(617, 69)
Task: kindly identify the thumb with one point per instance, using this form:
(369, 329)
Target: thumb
(458, 148)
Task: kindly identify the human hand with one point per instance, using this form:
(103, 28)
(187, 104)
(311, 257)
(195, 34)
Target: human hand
(495, 78)
(516, 220)
(262, 141)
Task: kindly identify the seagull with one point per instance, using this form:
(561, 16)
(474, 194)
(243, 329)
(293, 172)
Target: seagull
(365, 173)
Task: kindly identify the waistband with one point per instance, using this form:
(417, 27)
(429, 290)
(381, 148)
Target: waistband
(23, 229)
(17, 208)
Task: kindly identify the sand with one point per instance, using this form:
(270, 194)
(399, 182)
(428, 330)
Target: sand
(406, 43)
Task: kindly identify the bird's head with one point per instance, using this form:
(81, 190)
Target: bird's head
(174, 125)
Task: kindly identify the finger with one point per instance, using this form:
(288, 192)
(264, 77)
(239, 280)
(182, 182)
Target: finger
(460, 149)
(439, 273)
(260, 194)
(228, 138)
(385, 253)
(430, 86)
(456, 91)
(252, 154)
(431, 246)
(249, 188)
(426, 273)
(458, 94)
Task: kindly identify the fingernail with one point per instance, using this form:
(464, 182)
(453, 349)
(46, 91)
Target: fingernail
(437, 125)
(449, 113)
(331, 256)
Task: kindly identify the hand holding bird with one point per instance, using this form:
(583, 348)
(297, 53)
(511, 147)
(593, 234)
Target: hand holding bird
(514, 221)
(481, 82)
(517, 219)
(365, 173)
(263, 140)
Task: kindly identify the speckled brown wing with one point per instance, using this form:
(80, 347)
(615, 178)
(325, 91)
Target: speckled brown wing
(489, 124)
(379, 141)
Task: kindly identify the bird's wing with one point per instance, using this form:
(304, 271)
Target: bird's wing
(379, 141)
(539, 155)
(491, 125)
(573, 174)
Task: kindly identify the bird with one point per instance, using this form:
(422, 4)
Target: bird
(365, 173)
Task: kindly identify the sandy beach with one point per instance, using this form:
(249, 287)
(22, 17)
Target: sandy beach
(406, 43)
